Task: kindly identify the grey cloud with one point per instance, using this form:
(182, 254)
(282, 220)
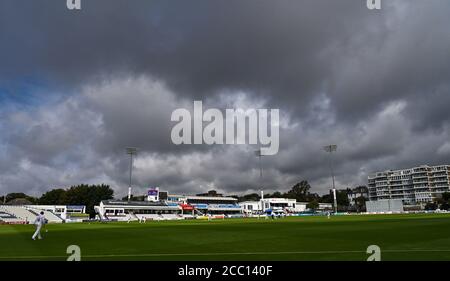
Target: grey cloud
(336, 70)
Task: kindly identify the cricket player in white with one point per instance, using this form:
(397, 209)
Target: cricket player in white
(39, 222)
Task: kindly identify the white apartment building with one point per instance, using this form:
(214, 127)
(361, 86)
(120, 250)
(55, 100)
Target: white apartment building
(413, 186)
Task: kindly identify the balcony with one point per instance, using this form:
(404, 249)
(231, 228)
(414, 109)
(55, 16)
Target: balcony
(420, 170)
(440, 180)
(421, 187)
(420, 182)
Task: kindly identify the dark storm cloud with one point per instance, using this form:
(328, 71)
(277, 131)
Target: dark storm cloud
(282, 49)
(430, 111)
(287, 50)
(108, 76)
(404, 57)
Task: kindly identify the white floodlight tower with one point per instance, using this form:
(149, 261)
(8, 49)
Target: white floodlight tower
(258, 154)
(332, 148)
(131, 151)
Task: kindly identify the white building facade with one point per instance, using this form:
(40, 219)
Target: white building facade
(413, 186)
(274, 204)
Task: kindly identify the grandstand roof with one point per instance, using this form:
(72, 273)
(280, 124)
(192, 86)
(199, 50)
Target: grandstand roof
(211, 198)
(139, 205)
(132, 203)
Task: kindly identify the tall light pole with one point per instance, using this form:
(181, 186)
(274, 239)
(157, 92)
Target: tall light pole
(258, 154)
(332, 148)
(131, 151)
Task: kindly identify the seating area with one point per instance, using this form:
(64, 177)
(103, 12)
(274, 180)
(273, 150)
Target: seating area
(26, 215)
(156, 217)
(149, 216)
(19, 212)
(8, 218)
(235, 216)
(171, 217)
(121, 217)
(188, 217)
(50, 216)
(224, 206)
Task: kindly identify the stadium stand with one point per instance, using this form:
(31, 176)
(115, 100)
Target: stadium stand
(19, 212)
(100, 215)
(171, 217)
(33, 212)
(235, 216)
(149, 216)
(211, 207)
(26, 214)
(117, 217)
(50, 216)
(8, 218)
(131, 216)
(188, 217)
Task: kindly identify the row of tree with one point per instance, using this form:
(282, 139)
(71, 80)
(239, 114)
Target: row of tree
(18, 196)
(83, 194)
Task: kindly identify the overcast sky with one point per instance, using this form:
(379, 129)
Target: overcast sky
(77, 87)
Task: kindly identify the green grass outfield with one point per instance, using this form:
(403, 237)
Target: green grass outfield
(400, 237)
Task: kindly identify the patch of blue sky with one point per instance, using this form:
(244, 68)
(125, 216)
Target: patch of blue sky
(26, 93)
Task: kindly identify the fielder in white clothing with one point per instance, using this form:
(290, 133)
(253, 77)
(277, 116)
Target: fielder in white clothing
(39, 222)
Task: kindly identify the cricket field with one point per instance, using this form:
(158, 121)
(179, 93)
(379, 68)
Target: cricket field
(399, 237)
